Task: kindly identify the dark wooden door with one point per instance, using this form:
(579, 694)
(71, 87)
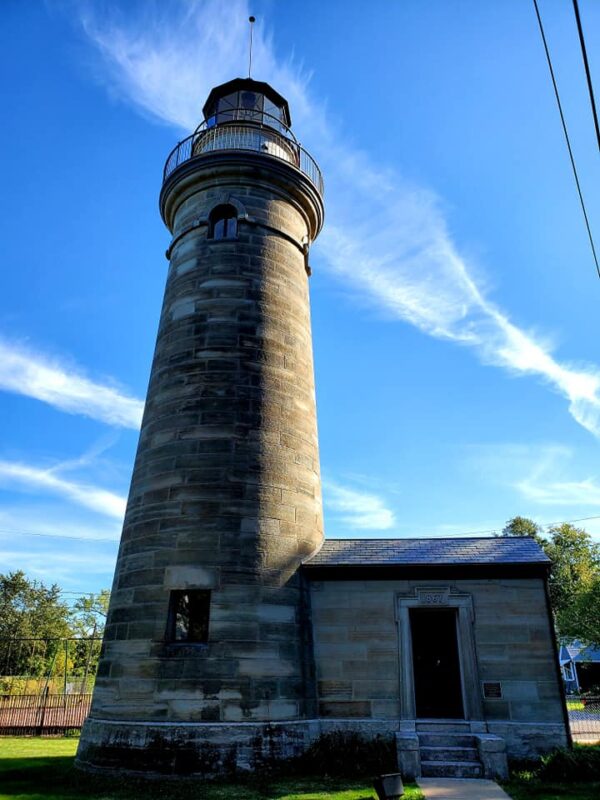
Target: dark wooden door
(436, 667)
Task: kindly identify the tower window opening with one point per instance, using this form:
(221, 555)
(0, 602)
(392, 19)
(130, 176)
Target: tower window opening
(188, 616)
(223, 223)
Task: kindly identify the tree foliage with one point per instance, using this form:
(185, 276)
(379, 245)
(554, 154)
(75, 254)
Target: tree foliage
(574, 583)
(41, 636)
(521, 526)
(29, 609)
(88, 616)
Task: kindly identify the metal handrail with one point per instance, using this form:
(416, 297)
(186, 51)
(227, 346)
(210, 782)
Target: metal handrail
(243, 133)
(247, 116)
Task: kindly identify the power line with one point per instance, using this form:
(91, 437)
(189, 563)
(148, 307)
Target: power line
(59, 536)
(564, 126)
(489, 531)
(587, 70)
(500, 527)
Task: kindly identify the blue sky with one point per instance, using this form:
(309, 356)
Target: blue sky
(454, 296)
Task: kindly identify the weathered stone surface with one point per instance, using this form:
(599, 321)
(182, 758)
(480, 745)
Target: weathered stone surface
(408, 755)
(529, 739)
(357, 657)
(225, 493)
(196, 748)
(492, 754)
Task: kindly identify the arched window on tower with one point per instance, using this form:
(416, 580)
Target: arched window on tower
(222, 222)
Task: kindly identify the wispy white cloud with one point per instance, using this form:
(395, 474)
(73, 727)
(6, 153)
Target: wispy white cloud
(34, 374)
(543, 475)
(392, 245)
(34, 523)
(547, 480)
(167, 56)
(585, 492)
(33, 478)
(408, 265)
(64, 566)
(356, 509)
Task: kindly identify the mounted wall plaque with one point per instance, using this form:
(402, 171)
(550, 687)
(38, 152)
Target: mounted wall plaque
(492, 690)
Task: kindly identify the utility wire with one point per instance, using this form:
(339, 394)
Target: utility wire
(564, 126)
(59, 536)
(441, 536)
(587, 70)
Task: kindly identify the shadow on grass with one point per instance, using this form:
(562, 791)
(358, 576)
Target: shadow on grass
(43, 769)
(55, 778)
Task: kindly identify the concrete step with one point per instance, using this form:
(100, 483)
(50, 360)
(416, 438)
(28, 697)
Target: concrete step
(447, 740)
(440, 726)
(450, 754)
(451, 769)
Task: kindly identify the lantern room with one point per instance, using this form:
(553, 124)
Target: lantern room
(248, 100)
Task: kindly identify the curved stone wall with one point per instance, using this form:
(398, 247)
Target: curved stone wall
(225, 493)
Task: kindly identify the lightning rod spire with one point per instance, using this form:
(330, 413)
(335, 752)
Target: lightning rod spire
(251, 20)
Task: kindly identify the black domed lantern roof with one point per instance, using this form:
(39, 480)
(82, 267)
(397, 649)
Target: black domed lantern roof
(245, 98)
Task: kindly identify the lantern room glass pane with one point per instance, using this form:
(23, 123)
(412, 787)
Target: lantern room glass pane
(251, 104)
(272, 110)
(227, 106)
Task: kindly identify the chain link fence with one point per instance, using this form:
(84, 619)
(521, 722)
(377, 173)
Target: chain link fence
(584, 718)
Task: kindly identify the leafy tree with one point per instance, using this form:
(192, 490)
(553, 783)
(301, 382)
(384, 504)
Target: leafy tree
(88, 621)
(584, 621)
(575, 561)
(41, 636)
(29, 611)
(88, 616)
(574, 583)
(521, 526)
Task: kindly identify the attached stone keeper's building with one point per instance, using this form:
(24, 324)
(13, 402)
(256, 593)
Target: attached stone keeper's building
(234, 632)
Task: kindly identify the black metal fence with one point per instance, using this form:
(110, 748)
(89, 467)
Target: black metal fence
(46, 684)
(584, 718)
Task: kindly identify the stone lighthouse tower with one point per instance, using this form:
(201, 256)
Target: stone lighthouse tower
(206, 656)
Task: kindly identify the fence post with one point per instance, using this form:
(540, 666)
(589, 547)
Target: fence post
(43, 710)
(65, 677)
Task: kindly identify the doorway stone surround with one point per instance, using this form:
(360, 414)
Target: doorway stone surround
(449, 734)
(439, 597)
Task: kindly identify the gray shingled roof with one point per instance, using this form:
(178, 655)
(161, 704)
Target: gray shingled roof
(390, 552)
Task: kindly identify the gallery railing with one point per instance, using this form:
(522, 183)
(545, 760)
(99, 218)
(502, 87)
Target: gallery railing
(243, 130)
(584, 718)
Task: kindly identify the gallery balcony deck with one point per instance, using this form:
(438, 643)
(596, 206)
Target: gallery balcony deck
(245, 130)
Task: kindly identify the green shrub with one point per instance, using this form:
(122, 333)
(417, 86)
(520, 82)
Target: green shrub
(523, 768)
(579, 764)
(349, 755)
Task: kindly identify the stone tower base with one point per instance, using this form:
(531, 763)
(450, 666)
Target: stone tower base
(204, 748)
(217, 749)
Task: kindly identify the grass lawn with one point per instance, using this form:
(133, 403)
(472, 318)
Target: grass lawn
(535, 790)
(575, 705)
(42, 769)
